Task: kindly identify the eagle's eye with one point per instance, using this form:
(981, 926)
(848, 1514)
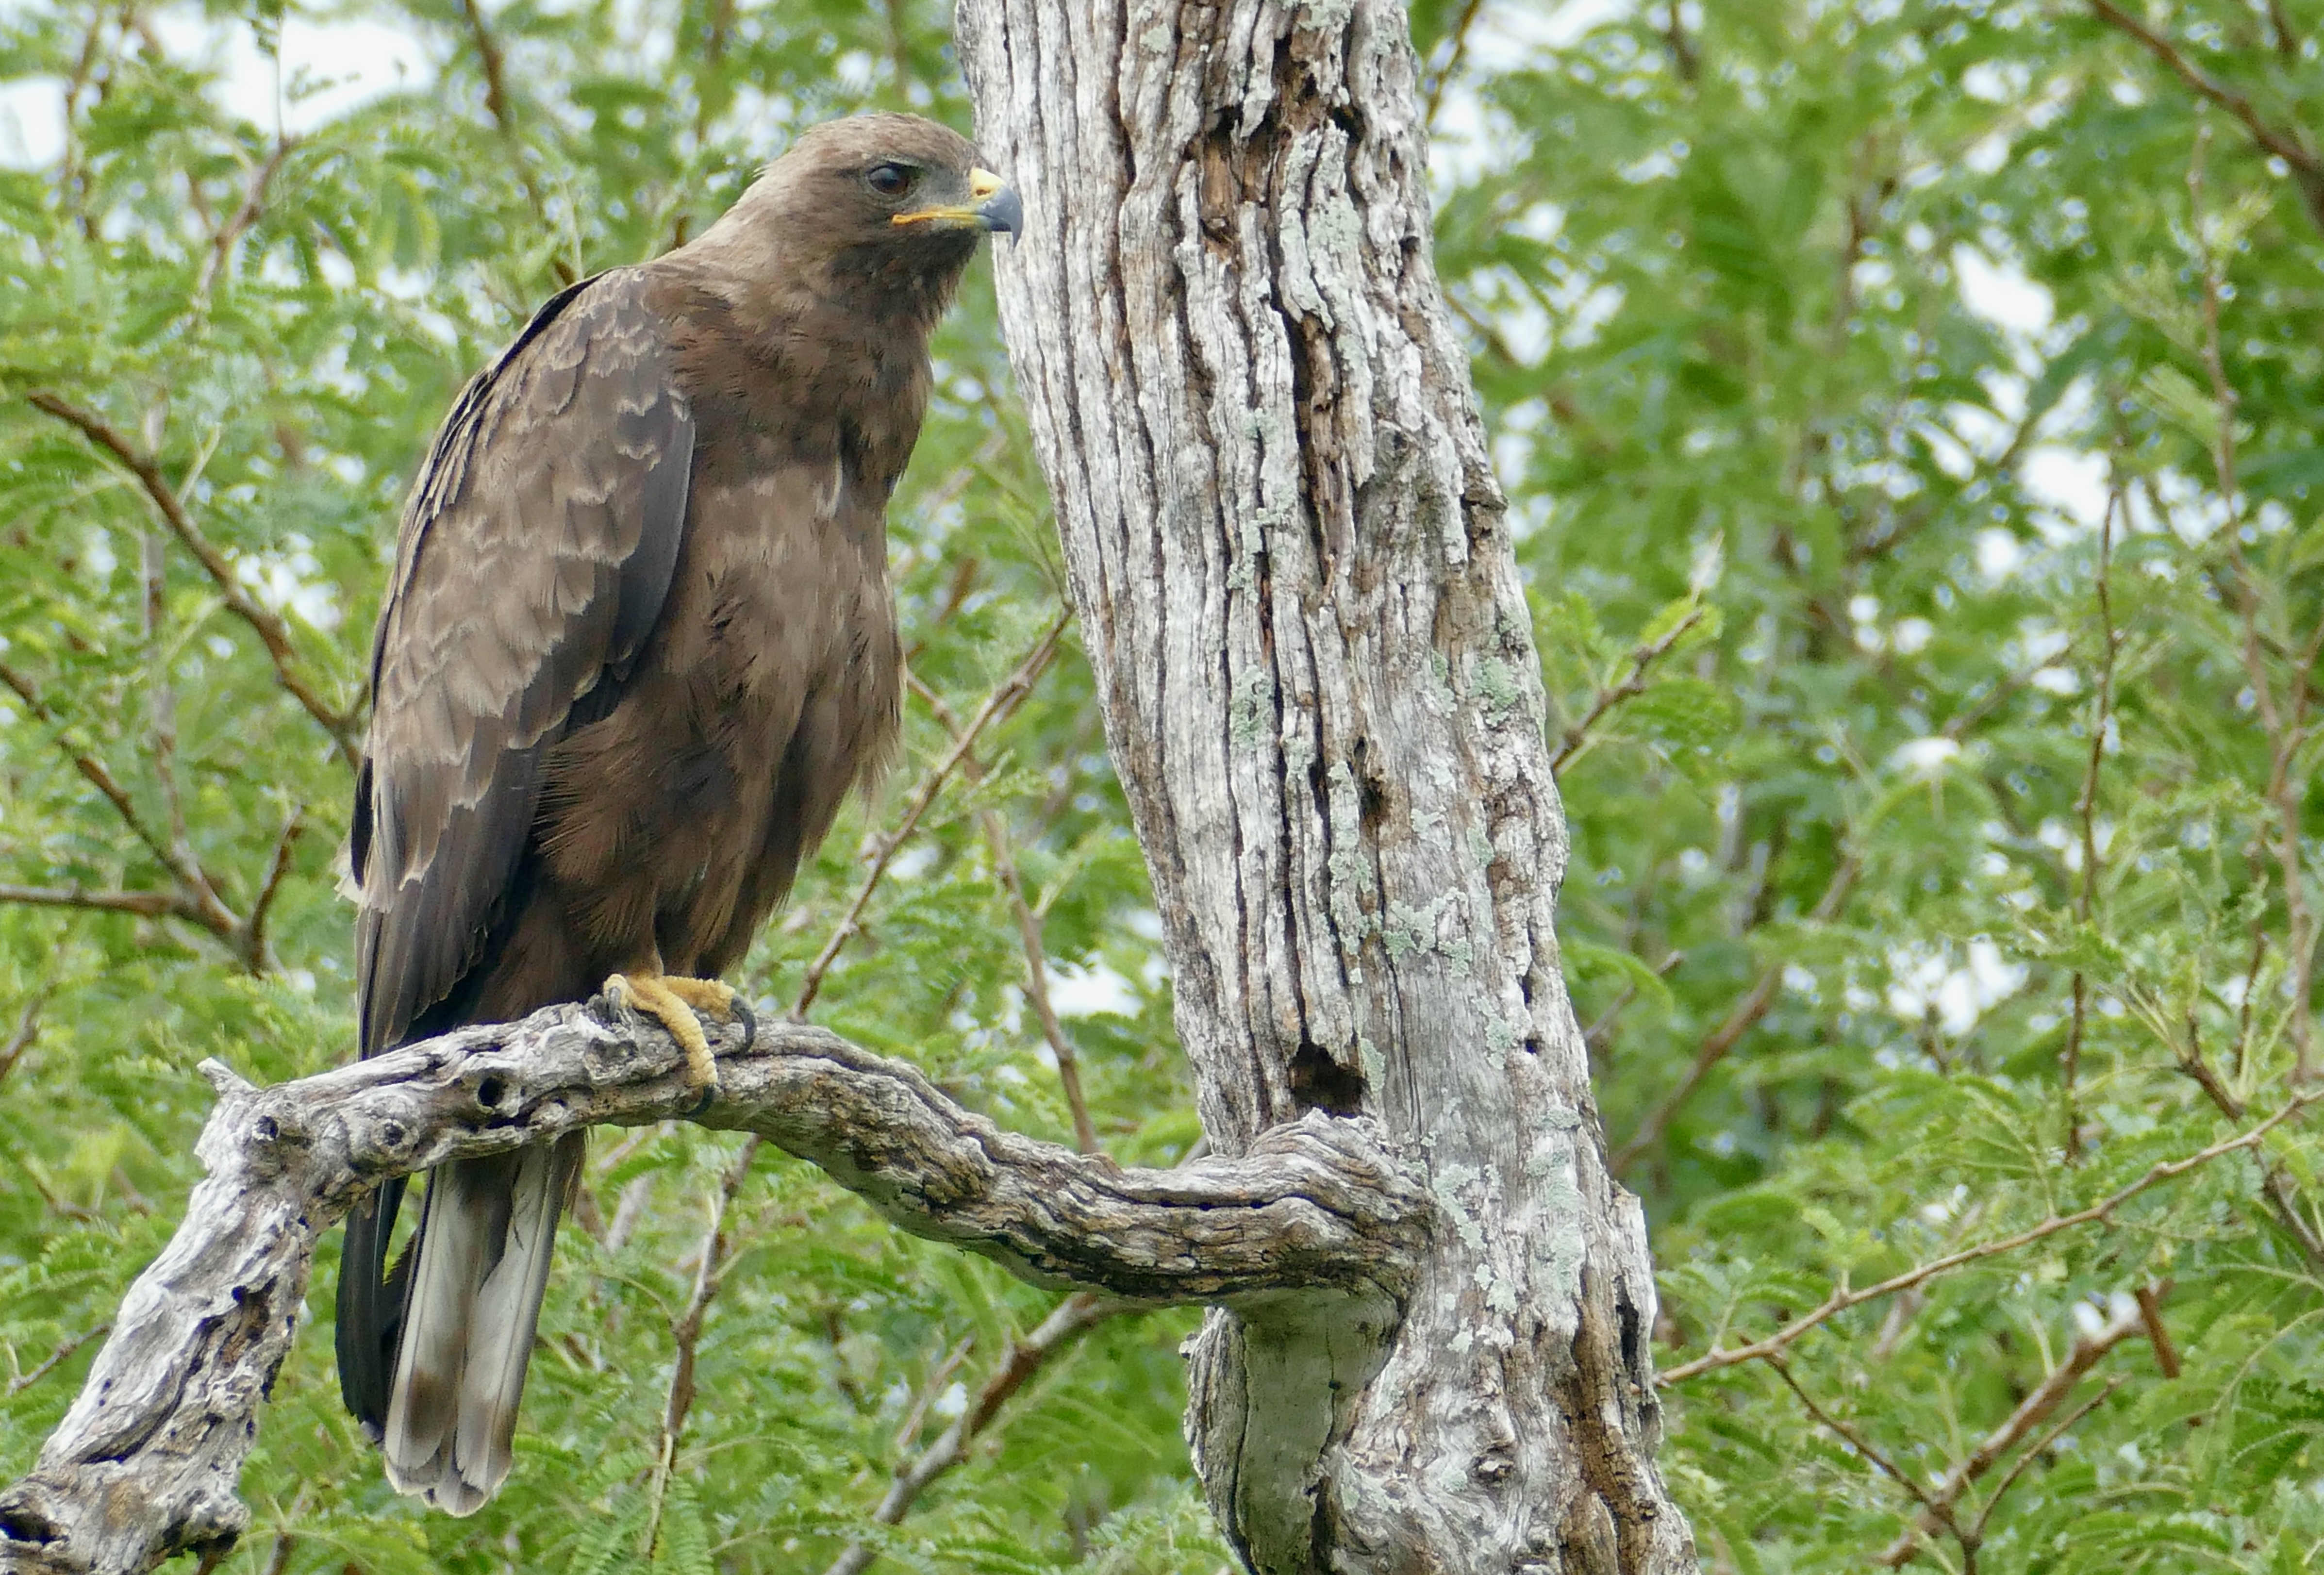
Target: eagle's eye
(892, 180)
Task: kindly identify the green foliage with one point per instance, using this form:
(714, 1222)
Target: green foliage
(1893, 397)
(1965, 362)
(287, 382)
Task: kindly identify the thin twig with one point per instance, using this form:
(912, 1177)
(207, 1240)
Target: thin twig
(1843, 1298)
(1855, 1440)
(931, 1389)
(2307, 170)
(238, 223)
(685, 1332)
(498, 106)
(1684, 57)
(2032, 1412)
(27, 1031)
(1025, 1357)
(2284, 719)
(2035, 1450)
(2086, 805)
(1741, 1017)
(998, 707)
(196, 898)
(2279, 35)
(2149, 1297)
(1029, 928)
(1452, 60)
(272, 631)
(254, 928)
(97, 775)
(1632, 684)
(144, 904)
(62, 1353)
(2276, 1185)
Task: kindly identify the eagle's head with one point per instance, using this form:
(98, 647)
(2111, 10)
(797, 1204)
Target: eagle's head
(874, 208)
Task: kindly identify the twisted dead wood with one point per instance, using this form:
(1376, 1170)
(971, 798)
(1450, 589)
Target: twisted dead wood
(146, 1463)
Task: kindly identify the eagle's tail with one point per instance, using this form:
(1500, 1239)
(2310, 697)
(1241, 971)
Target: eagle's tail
(486, 1233)
(370, 1305)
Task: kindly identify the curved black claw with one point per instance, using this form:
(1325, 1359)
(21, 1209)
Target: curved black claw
(747, 1018)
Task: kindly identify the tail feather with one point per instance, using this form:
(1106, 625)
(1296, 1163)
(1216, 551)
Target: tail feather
(487, 1231)
(508, 1310)
(370, 1307)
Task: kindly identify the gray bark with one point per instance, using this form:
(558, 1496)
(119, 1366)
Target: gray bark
(144, 1464)
(1296, 584)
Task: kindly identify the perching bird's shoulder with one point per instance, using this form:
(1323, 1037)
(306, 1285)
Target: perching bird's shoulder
(532, 562)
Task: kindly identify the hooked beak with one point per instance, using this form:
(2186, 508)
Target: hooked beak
(995, 207)
(998, 206)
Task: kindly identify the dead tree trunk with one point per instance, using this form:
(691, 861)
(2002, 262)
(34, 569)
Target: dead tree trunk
(1296, 583)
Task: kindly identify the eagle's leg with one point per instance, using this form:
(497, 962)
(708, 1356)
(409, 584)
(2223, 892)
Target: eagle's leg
(677, 1000)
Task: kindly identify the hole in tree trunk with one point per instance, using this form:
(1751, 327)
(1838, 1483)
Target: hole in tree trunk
(1318, 1082)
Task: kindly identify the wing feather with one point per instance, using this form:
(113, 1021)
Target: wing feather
(531, 566)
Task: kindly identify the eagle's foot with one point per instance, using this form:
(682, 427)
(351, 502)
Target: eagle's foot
(676, 1000)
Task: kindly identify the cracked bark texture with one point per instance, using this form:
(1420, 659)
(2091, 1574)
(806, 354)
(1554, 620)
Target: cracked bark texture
(145, 1465)
(1296, 584)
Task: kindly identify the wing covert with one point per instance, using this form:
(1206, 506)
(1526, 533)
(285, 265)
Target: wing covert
(531, 565)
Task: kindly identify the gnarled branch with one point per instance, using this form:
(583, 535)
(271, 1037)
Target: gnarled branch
(144, 1464)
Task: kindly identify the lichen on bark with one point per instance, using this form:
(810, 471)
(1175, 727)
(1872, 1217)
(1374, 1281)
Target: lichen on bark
(1296, 587)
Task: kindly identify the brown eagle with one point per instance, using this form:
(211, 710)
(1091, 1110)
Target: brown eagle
(638, 648)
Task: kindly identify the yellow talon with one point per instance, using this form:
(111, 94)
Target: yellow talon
(675, 1000)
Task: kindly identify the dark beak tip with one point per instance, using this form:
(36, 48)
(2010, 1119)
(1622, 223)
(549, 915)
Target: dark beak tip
(1004, 213)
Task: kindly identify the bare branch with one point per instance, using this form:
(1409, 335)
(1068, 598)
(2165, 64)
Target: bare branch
(998, 707)
(272, 631)
(1025, 1357)
(144, 1465)
(1842, 1298)
(2307, 170)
